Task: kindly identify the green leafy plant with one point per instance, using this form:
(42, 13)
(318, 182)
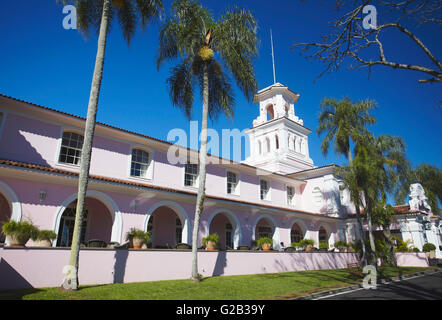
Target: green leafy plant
(211, 237)
(21, 230)
(341, 244)
(428, 247)
(264, 240)
(416, 250)
(137, 233)
(46, 235)
(323, 245)
(401, 246)
(296, 245)
(306, 242)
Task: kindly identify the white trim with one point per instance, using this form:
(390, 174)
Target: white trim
(237, 235)
(180, 212)
(117, 222)
(276, 230)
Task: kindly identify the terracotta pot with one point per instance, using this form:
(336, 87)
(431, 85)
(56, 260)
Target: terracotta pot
(308, 249)
(137, 242)
(42, 243)
(17, 240)
(266, 246)
(210, 246)
(431, 254)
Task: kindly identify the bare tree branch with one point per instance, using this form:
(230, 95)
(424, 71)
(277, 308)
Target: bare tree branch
(350, 40)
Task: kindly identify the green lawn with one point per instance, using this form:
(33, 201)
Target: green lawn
(249, 287)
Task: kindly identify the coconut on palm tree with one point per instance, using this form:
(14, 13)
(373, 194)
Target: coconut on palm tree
(206, 49)
(99, 13)
(343, 121)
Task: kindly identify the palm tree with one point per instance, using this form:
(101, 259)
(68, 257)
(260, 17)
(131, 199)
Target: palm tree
(205, 47)
(375, 170)
(99, 14)
(342, 121)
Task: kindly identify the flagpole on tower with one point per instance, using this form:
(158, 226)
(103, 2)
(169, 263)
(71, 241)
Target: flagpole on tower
(273, 58)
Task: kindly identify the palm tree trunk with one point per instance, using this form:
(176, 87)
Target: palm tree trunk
(70, 282)
(358, 215)
(202, 176)
(361, 231)
(370, 236)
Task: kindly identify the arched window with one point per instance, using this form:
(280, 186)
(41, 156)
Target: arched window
(139, 163)
(323, 235)
(150, 228)
(270, 112)
(268, 144)
(229, 242)
(317, 196)
(259, 147)
(71, 145)
(277, 142)
(66, 229)
(178, 231)
(286, 108)
(296, 234)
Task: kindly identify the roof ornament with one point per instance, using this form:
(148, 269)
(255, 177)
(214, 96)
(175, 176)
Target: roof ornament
(418, 201)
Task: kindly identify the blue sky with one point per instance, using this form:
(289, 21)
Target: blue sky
(43, 63)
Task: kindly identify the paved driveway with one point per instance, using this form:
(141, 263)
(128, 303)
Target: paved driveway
(427, 287)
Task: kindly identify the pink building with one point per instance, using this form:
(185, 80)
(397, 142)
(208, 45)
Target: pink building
(276, 192)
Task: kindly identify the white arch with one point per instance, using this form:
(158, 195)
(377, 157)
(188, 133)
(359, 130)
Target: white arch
(180, 212)
(106, 200)
(237, 236)
(11, 196)
(276, 236)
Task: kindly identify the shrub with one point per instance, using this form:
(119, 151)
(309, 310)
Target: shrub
(296, 245)
(428, 247)
(20, 229)
(211, 237)
(46, 235)
(306, 242)
(416, 250)
(263, 240)
(323, 245)
(341, 244)
(137, 233)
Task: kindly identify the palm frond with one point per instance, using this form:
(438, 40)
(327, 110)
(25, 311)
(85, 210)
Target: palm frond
(181, 83)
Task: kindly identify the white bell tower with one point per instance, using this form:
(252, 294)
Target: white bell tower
(278, 138)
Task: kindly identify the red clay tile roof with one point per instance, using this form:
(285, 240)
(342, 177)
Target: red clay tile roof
(145, 185)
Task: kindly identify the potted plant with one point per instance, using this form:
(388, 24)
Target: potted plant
(137, 237)
(44, 238)
(265, 243)
(430, 250)
(19, 232)
(323, 246)
(211, 242)
(341, 245)
(307, 244)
